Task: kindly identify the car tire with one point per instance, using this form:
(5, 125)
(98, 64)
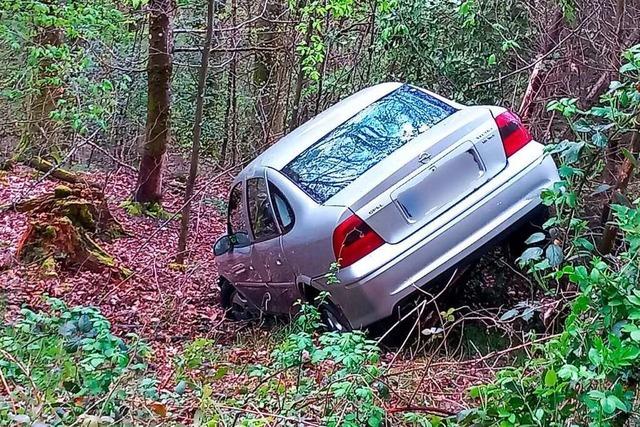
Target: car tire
(235, 305)
(332, 318)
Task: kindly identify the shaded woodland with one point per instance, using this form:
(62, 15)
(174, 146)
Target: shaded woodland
(122, 124)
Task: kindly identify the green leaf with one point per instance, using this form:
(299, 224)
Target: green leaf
(584, 243)
(567, 171)
(220, 372)
(67, 329)
(596, 394)
(571, 151)
(374, 420)
(181, 387)
(554, 255)
(510, 314)
(491, 60)
(535, 238)
(609, 404)
(568, 372)
(474, 392)
(599, 139)
(628, 67)
(84, 323)
(550, 378)
(530, 254)
(595, 357)
(619, 404)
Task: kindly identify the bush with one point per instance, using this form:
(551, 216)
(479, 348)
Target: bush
(586, 375)
(64, 365)
(327, 376)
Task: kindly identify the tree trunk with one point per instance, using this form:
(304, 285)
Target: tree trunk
(538, 74)
(39, 131)
(297, 99)
(197, 132)
(610, 233)
(159, 69)
(323, 65)
(229, 143)
(266, 71)
(613, 159)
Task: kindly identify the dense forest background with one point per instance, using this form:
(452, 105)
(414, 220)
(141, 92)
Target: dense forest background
(122, 123)
(94, 71)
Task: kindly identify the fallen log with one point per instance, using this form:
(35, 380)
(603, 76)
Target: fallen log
(56, 171)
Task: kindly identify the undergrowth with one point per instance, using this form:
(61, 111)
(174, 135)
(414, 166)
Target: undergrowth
(587, 374)
(63, 366)
(310, 374)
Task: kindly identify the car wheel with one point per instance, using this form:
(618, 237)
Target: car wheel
(332, 318)
(236, 306)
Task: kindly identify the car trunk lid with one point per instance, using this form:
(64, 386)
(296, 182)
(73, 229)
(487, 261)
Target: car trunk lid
(430, 174)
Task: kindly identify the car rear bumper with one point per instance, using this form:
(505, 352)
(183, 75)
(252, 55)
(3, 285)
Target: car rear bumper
(371, 288)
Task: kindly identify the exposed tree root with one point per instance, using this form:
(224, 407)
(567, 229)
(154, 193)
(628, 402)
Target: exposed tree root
(63, 229)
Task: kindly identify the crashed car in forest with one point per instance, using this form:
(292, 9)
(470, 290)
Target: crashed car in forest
(394, 186)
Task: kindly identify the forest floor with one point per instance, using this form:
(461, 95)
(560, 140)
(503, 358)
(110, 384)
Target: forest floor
(161, 302)
(169, 306)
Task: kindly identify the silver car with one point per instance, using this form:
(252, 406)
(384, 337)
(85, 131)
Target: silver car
(388, 189)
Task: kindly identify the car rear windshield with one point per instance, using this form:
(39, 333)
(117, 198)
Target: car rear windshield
(349, 150)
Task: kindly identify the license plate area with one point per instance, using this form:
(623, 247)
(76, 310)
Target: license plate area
(440, 186)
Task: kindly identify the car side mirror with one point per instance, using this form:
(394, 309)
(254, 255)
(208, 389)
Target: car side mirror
(222, 246)
(226, 243)
(240, 239)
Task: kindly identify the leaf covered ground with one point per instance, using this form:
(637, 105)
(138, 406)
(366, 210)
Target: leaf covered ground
(175, 309)
(162, 302)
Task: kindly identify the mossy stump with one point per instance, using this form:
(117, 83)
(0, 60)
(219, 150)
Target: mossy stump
(64, 227)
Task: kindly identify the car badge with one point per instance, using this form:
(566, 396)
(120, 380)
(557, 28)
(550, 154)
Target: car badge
(424, 157)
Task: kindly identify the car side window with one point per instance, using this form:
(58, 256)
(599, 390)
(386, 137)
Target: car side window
(235, 217)
(283, 209)
(261, 218)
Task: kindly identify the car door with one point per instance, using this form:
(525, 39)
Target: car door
(267, 226)
(239, 263)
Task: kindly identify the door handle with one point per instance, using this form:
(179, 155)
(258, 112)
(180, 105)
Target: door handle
(238, 269)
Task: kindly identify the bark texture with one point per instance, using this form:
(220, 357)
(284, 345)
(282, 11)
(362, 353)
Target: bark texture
(158, 130)
(625, 173)
(297, 97)
(268, 74)
(538, 74)
(40, 134)
(231, 122)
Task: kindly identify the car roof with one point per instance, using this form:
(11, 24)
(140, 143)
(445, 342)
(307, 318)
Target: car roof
(287, 148)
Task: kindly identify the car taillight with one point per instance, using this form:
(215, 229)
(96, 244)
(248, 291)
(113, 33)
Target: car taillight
(353, 239)
(514, 135)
